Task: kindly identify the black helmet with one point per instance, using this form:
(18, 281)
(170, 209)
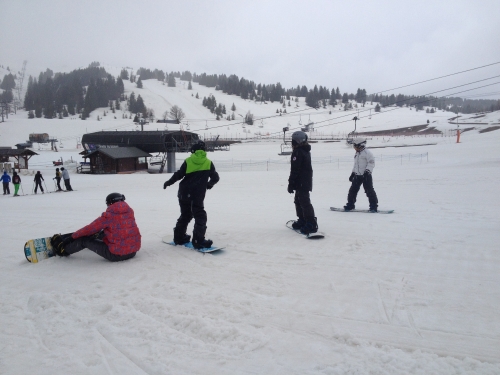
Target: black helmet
(299, 137)
(114, 197)
(199, 145)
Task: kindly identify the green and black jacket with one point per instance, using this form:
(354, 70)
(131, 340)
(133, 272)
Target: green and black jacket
(197, 173)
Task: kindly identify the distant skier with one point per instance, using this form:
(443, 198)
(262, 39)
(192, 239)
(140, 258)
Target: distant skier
(364, 162)
(301, 181)
(16, 180)
(38, 181)
(197, 174)
(58, 179)
(65, 175)
(5, 181)
(114, 236)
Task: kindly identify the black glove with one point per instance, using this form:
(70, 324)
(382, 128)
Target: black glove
(165, 185)
(351, 177)
(290, 189)
(367, 173)
(209, 186)
(67, 241)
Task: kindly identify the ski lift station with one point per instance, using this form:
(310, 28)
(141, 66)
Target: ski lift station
(127, 151)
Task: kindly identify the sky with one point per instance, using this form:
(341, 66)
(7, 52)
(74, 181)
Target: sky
(377, 46)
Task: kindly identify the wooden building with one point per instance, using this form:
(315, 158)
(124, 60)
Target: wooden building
(117, 160)
(161, 142)
(21, 155)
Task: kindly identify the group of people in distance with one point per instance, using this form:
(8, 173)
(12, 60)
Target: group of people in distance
(16, 180)
(115, 235)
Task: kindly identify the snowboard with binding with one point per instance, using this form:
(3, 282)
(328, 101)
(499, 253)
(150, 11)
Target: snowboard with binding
(170, 241)
(365, 211)
(310, 236)
(38, 249)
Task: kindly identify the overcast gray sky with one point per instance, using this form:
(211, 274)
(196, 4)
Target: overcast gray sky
(376, 45)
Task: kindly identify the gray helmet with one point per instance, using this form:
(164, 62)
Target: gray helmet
(299, 137)
(359, 142)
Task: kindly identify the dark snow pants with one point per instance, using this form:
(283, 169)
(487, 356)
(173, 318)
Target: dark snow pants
(303, 206)
(192, 208)
(38, 184)
(97, 246)
(68, 185)
(367, 182)
(6, 189)
(58, 180)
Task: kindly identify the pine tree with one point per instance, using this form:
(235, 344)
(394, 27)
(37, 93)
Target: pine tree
(139, 83)
(190, 87)
(171, 80)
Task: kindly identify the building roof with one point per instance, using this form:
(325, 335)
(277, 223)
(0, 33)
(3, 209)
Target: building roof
(148, 141)
(121, 152)
(16, 152)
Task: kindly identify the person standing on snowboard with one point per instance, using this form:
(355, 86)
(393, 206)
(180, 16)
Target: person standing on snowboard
(301, 182)
(114, 236)
(197, 174)
(364, 162)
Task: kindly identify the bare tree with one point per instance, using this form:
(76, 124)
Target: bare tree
(176, 113)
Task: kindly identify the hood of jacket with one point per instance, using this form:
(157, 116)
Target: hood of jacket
(198, 157)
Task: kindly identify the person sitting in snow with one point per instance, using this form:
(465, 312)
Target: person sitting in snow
(114, 236)
(364, 162)
(198, 174)
(301, 182)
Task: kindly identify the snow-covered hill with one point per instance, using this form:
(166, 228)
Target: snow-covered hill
(414, 292)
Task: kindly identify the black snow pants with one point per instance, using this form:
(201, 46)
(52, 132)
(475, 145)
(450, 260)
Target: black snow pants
(303, 206)
(58, 180)
(97, 246)
(6, 189)
(192, 208)
(68, 185)
(367, 182)
(37, 185)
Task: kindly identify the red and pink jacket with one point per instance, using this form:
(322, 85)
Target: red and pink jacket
(122, 234)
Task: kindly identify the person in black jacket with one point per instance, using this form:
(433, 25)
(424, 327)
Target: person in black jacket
(197, 174)
(300, 181)
(38, 181)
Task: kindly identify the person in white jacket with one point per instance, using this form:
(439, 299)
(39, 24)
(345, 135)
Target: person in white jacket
(364, 162)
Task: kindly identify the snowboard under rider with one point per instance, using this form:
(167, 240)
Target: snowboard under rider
(364, 162)
(38, 181)
(198, 174)
(114, 235)
(301, 182)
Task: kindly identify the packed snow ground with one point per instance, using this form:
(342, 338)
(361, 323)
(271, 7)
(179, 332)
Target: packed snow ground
(414, 292)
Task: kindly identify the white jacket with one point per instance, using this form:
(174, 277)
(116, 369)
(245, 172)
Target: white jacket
(65, 174)
(362, 161)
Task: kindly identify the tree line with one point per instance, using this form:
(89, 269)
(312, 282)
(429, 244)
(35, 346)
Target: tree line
(78, 92)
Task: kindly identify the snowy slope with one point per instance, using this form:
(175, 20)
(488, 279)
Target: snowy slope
(415, 292)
